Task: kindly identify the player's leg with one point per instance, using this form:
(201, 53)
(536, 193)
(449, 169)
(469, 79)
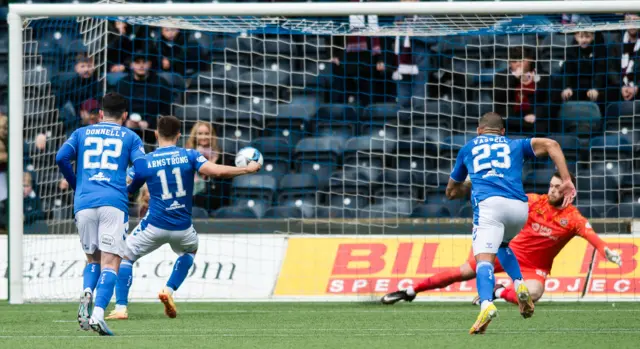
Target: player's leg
(488, 233)
(112, 232)
(514, 218)
(143, 240)
(534, 282)
(87, 224)
(185, 244)
(443, 279)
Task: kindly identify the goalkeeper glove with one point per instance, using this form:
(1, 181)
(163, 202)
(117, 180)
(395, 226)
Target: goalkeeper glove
(613, 256)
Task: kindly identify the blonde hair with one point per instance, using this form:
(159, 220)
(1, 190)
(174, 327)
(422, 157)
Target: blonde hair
(192, 141)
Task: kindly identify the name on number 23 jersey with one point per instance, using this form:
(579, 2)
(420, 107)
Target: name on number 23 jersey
(494, 165)
(103, 151)
(169, 174)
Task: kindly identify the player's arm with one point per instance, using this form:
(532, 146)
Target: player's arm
(136, 155)
(547, 146)
(222, 171)
(583, 228)
(457, 187)
(66, 154)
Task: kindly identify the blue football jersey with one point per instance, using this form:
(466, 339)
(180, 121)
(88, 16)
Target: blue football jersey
(169, 173)
(494, 165)
(102, 153)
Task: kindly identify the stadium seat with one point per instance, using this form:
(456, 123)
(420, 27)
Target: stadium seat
(318, 156)
(199, 213)
(611, 147)
(570, 146)
(376, 115)
(298, 187)
(277, 155)
(355, 180)
(581, 118)
(348, 201)
(465, 211)
(622, 115)
(291, 122)
(234, 212)
(284, 212)
(335, 213)
(255, 186)
(625, 210)
(397, 183)
(368, 151)
(258, 206)
(538, 181)
(430, 211)
(338, 120)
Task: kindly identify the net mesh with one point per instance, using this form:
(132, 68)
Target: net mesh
(359, 118)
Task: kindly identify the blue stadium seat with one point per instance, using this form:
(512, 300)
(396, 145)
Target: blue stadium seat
(311, 74)
(199, 213)
(259, 207)
(610, 147)
(375, 115)
(367, 151)
(624, 210)
(622, 115)
(355, 180)
(284, 212)
(318, 156)
(397, 183)
(538, 181)
(302, 187)
(335, 212)
(465, 211)
(348, 201)
(277, 155)
(570, 146)
(582, 118)
(234, 212)
(255, 186)
(337, 120)
(431, 211)
(291, 122)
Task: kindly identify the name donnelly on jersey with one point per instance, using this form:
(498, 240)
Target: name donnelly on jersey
(176, 160)
(104, 131)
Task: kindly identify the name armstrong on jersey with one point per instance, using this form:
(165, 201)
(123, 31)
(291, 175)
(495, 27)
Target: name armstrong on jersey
(175, 160)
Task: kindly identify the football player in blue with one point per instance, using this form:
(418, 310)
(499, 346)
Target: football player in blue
(494, 165)
(169, 173)
(102, 153)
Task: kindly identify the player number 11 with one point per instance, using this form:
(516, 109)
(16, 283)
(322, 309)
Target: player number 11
(166, 194)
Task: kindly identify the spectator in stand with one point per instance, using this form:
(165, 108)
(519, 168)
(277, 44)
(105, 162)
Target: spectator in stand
(149, 96)
(624, 54)
(175, 52)
(412, 58)
(522, 95)
(120, 46)
(204, 139)
(82, 86)
(32, 208)
(359, 68)
(585, 67)
(142, 202)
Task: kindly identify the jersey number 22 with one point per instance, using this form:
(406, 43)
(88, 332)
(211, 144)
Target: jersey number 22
(487, 156)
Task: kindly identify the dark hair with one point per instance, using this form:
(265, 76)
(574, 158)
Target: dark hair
(491, 120)
(573, 178)
(518, 53)
(84, 58)
(114, 105)
(168, 127)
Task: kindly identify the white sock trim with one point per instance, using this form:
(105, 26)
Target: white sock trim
(498, 292)
(410, 291)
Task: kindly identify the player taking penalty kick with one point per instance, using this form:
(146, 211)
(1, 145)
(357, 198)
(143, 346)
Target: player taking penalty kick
(548, 229)
(169, 172)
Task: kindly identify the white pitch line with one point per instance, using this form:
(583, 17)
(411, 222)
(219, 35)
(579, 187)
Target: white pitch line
(397, 310)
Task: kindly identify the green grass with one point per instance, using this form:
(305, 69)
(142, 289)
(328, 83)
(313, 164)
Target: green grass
(327, 325)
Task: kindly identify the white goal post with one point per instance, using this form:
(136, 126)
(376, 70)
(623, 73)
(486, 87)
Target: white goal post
(20, 13)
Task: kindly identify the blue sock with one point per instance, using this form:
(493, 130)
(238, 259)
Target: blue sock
(485, 281)
(90, 276)
(125, 279)
(104, 292)
(180, 271)
(509, 263)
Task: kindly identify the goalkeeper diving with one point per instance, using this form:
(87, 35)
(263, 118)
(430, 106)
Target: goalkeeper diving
(547, 230)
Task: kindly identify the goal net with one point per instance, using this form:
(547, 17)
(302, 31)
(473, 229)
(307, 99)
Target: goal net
(359, 119)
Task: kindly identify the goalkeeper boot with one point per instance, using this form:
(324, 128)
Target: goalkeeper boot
(476, 299)
(119, 313)
(484, 318)
(525, 303)
(84, 310)
(100, 326)
(394, 297)
(166, 297)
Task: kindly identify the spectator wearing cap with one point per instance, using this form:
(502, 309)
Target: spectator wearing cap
(522, 94)
(149, 96)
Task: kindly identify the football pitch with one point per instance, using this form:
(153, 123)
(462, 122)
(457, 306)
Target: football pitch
(326, 325)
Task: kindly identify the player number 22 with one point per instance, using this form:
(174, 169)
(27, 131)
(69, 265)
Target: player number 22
(103, 153)
(482, 152)
(166, 194)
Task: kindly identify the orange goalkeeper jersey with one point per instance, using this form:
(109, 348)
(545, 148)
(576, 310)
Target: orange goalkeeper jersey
(547, 231)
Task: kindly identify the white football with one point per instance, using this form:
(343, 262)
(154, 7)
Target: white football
(248, 154)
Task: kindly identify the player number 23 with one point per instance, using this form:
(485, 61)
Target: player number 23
(104, 154)
(481, 154)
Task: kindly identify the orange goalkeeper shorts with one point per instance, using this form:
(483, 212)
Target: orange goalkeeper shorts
(528, 273)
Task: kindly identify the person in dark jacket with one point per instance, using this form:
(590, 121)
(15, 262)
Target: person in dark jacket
(585, 68)
(83, 85)
(522, 95)
(624, 61)
(32, 207)
(149, 96)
